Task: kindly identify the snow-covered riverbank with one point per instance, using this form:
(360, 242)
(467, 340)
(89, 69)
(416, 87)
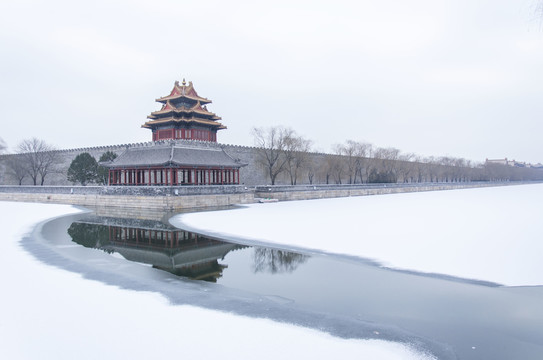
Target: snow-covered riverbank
(50, 313)
(488, 234)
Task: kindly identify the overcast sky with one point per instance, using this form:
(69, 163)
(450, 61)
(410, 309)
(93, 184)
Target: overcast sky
(460, 78)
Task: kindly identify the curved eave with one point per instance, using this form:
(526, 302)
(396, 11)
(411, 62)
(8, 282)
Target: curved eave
(153, 123)
(176, 164)
(202, 100)
(184, 111)
(130, 166)
(206, 166)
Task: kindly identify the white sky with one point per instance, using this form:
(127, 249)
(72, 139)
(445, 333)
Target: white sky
(461, 78)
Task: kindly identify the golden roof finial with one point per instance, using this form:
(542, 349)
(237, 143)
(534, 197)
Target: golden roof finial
(184, 82)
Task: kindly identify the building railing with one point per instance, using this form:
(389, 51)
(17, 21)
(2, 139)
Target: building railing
(158, 190)
(323, 187)
(129, 190)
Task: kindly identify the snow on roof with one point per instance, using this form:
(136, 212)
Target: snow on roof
(161, 155)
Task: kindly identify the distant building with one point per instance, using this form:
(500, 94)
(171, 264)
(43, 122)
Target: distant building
(514, 163)
(497, 161)
(183, 116)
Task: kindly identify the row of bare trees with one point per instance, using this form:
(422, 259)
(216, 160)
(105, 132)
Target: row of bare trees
(286, 155)
(281, 151)
(364, 163)
(36, 159)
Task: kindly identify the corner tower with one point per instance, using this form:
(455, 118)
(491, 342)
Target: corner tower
(184, 115)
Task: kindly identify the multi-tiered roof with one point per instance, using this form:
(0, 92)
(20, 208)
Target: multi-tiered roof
(184, 115)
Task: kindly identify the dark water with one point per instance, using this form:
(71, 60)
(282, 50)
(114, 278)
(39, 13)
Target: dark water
(450, 318)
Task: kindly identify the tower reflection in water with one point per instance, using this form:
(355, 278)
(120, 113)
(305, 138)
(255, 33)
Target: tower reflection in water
(156, 243)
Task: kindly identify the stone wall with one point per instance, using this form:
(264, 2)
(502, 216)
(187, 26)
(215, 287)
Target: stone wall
(165, 198)
(255, 174)
(59, 175)
(128, 190)
(159, 198)
(307, 192)
(252, 174)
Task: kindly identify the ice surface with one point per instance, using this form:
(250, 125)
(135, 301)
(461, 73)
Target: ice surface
(50, 313)
(489, 234)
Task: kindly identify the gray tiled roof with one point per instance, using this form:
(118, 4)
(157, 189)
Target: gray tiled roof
(162, 155)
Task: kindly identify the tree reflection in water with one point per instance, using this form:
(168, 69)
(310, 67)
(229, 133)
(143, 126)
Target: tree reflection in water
(174, 250)
(276, 261)
(90, 236)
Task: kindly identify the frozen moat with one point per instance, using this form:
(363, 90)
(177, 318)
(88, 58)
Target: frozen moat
(348, 297)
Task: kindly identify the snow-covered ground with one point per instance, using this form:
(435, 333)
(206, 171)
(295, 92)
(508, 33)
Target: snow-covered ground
(50, 313)
(490, 234)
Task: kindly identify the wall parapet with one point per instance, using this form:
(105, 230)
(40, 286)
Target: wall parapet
(308, 192)
(127, 190)
(346, 187)
(166, 198)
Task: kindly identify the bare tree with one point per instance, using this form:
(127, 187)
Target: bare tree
(276, 261)
(17, 169)
(326, 168)
(311, 170)
(270, 143)
(430, 169)
(387, 165)
(355, 157)
(2, 149)
(337, 168)
(296, 153)
(347, 151)
(418, 169)
(406, 167)
(363, 151)
(371, 162)
(38, 157)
